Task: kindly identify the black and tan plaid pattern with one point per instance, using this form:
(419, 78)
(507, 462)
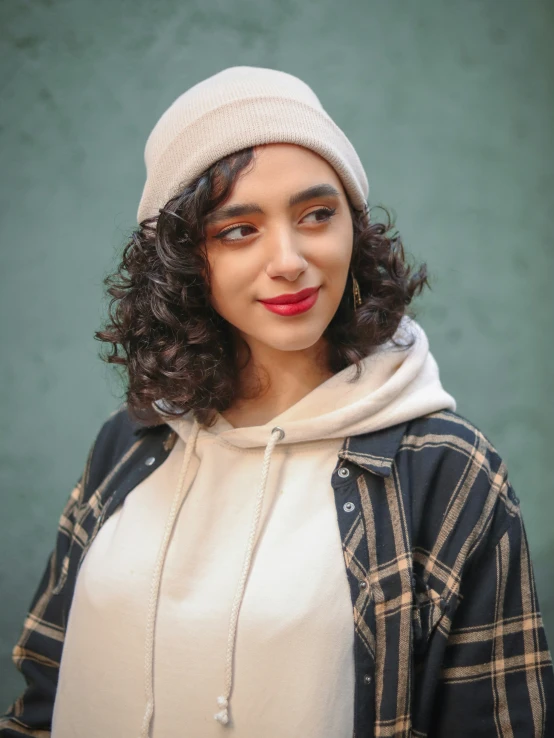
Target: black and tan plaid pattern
(449, 641)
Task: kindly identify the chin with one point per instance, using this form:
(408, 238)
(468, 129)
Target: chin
(293, 341)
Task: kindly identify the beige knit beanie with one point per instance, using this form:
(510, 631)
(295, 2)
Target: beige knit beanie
(236, 108)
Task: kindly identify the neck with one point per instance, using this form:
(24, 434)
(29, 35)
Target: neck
(273, 380)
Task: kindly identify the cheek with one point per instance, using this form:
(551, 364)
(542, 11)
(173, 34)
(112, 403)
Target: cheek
(230, 278)
(334, 257)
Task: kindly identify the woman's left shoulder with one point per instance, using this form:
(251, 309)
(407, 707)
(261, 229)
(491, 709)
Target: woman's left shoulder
(458, 481)
(448, 430)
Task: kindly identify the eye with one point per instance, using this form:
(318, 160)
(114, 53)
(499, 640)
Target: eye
(224, 235)
(325, 213)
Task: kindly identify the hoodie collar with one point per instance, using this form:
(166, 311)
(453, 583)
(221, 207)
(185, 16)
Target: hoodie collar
(373, 451)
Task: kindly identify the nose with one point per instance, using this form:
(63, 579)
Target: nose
(285, 256)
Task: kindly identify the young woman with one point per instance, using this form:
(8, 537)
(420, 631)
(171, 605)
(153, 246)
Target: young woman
(287, 526)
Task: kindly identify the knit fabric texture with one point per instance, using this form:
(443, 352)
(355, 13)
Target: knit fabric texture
(234, 109)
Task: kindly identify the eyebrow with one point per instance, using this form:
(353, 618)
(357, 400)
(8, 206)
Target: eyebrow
(234, 211)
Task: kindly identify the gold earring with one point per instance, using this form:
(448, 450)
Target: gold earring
(356, 292)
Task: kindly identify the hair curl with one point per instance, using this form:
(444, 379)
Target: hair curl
(173, 345)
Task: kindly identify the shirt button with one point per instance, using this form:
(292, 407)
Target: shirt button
(348, 506)
(362, 584)
(150, 460)
(344, 472)
(367, 679)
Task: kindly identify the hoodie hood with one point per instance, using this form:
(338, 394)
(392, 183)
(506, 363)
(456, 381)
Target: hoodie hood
(396, 385)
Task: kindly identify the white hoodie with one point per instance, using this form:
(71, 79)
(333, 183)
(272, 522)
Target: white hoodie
(219, 588)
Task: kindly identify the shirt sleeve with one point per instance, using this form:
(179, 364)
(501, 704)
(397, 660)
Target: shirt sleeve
(496, 678)
(37, 653)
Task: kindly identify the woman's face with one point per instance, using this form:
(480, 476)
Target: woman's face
(286, 228)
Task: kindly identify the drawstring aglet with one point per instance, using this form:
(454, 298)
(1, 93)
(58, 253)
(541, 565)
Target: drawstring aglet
(223, 715)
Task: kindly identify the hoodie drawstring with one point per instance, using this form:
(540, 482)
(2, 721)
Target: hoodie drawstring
(277, 434)
(156, 582)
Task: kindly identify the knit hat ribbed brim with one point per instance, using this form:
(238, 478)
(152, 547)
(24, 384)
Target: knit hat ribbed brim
(236, 108)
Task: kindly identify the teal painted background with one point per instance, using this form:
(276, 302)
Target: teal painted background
(451, 107)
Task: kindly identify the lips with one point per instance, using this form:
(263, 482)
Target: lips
(291, 298)
(293, 304)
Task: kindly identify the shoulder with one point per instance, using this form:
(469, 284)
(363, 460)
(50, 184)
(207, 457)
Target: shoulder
(448, 432)
(461, 497)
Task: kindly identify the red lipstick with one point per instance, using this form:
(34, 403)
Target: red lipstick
(293, 303)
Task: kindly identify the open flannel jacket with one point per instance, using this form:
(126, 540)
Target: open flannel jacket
(449, 641)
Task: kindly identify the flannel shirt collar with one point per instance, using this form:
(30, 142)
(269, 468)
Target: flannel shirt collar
(374, 451)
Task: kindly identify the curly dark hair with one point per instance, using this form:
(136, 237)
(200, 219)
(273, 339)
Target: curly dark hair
(174, 346)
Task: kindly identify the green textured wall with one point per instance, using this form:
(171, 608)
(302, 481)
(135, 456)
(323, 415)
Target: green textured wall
(451, 107)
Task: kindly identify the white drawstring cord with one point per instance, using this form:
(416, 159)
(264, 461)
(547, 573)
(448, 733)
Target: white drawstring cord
(156, 583)
(222, 716)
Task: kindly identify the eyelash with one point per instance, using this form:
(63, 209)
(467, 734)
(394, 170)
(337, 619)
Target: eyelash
(328, 211)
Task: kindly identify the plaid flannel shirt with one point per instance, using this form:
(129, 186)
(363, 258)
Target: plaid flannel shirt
(449, 641)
